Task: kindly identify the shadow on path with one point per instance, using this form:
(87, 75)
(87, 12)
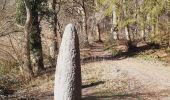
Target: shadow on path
(134, 96)
(121, 55)
(93, 84)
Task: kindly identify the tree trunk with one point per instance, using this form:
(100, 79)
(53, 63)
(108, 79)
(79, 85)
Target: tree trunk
(27, 69)
(68, 71)
(130, 44)
(127, 34)
(35, 41)
(85, 29)
(84, 22)
(53, 47)
(114, 21)
(143, 33)
(137, 18)
(98, 33)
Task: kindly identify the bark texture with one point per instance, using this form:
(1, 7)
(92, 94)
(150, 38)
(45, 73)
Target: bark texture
(35, 39)
(98, 33)
(68, 70)
(114, 21)
(53, 47)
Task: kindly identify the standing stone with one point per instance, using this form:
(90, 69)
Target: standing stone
(68, 70)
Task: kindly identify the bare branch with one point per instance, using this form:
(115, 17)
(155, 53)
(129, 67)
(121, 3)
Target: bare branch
(5, 23)
(15, 31)
(13, 47)
(20, 26)
(8, 53)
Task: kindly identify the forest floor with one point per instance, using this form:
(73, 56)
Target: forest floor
(109, 78)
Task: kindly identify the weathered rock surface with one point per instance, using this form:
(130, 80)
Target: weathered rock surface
(68, 70)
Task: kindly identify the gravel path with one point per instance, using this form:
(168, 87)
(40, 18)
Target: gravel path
(128, 79)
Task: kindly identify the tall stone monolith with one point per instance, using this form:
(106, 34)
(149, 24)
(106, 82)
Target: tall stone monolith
(68, 70)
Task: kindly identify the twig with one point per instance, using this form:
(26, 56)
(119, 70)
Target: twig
(8, 53)
(109, 47)
(20, 26)
(16, 53)
(5, 23)
(16, 31)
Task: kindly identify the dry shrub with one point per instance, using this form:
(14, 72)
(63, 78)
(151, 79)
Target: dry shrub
(9, 76)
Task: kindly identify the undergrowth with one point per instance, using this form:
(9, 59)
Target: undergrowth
(9, 76)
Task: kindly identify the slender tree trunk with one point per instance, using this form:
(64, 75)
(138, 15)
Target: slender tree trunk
(35, 41)
(143, 32)
(114, 21)
(98, 33)
(84, 20)
(136, 17)
(127, 34)
(53, 47)
(27, 69)
(157, 25)
(128, 38)
(85, 28)
(126, 28)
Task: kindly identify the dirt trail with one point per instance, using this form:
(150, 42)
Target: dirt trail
(148, 72)
(124, 79)
(116, 79)
(129, 79)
